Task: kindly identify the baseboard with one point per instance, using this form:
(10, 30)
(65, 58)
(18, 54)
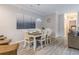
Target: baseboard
(60, 37)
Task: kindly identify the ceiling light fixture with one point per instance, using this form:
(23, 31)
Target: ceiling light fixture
(35, 5)
(38, 4)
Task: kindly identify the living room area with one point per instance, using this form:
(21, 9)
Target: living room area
(39, 29)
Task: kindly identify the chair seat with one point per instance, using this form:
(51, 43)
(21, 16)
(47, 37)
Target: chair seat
(38, 38)
(30, 39)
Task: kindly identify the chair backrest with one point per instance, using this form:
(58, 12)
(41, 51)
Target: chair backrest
(49, 31)
(26, 36)
(44, 33)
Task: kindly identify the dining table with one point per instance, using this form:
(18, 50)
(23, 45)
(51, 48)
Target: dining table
(35, 35)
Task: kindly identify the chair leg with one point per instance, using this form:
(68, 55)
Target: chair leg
(24, 44)
(50, 41)
(45, 43)
(41, 44)
(28, 45)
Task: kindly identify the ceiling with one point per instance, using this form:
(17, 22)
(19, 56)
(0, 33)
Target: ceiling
(46, 9)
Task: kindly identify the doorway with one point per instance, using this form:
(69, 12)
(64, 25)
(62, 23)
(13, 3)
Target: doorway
(70, 21)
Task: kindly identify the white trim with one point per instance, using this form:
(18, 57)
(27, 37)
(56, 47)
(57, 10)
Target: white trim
(17, 42)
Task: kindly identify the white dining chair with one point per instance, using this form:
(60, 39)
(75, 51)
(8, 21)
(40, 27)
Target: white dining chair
(49, 35)
(42, 39)
(28, 40)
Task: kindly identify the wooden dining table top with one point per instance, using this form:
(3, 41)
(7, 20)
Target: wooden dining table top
(34, 33)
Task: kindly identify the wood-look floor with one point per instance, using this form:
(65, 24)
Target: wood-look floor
(58, 47)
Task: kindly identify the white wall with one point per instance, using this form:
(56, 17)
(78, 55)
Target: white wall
(8, 22)
(56, 23)
(77, 24)
(50, 22)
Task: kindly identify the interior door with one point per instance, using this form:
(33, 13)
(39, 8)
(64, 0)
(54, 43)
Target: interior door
(61, 25)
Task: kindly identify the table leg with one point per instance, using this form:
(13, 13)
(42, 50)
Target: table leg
(34, 43)
(24, 44)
